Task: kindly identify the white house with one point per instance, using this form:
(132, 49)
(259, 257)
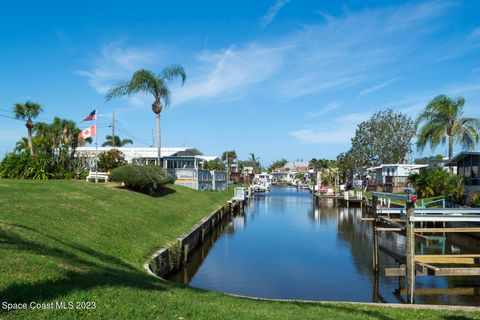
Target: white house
(184, 164)
(172, 158)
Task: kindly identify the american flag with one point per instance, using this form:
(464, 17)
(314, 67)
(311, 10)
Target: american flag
(92, 116)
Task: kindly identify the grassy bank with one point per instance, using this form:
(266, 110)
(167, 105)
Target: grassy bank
(76, 241)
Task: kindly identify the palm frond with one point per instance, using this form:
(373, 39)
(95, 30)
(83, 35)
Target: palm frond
(27, 110)
(173, 72)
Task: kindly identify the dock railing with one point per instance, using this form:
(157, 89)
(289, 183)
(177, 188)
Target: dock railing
(353, 194)
(410, 223)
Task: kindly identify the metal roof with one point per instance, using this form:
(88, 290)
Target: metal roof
(453, 162)
(148, 152)
(405, 165)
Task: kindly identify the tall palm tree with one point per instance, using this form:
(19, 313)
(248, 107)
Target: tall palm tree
(116, 141)
(146, 81)
(255, 162)
(27, 111)
(443, 120)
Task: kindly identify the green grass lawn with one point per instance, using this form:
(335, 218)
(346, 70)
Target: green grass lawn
(77, 241)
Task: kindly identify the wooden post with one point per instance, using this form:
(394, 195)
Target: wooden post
(375, 234)
(375, 293)
(410, 254)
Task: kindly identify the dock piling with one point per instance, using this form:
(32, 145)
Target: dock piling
(410, 252)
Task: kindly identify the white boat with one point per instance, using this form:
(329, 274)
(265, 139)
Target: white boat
(262, 183)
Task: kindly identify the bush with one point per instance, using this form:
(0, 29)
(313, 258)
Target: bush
(24, 166)
(438, 182)
(111, 159)
(148, 179)
(474, 200)
(40, 166)
(214, 165)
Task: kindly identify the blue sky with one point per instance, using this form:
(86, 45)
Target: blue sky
(281, 79)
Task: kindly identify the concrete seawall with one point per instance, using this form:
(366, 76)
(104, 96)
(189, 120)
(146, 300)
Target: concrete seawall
(170, 259)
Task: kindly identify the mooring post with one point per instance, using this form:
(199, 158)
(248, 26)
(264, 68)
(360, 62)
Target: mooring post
(375, 234)
(410, 254)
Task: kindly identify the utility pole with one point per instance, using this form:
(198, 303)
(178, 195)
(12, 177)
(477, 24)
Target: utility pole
(96, 145)
(153, 140)
(113, 129)
(228, 168)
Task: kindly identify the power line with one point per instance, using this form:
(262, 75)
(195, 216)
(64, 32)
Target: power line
(122, 129)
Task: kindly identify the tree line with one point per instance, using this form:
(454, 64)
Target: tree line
(386, 138)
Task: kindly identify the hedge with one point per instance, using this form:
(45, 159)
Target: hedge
(143, 178)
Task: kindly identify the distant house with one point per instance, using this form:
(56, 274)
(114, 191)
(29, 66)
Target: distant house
(467, 163)
(288, 173)
(392, 177)
(296, 166)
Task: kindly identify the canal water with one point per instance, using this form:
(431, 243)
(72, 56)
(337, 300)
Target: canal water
(285, 246)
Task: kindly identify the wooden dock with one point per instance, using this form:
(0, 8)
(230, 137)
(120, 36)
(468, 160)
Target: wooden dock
(347, 198)
(410, 222)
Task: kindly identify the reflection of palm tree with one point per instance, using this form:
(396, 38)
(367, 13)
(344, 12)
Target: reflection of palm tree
(145, 81)
(116, 142)
(27, 111)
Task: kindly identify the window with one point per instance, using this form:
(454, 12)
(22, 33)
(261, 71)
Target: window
(474, 172)
(461, 170)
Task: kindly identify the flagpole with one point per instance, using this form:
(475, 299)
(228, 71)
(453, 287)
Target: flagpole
(96, 146)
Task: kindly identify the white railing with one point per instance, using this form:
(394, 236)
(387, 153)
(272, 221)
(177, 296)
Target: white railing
(352, 194)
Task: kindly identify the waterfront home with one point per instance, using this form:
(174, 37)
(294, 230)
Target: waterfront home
(172, 158)
(289, 172)
(183, 163)
(392, 177)
(467, 164)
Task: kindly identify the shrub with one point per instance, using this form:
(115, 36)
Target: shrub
(438, 182)
(40, 166)
(148, 179)
(111, 159)
(474, 200)
(214, 165)
(25, 166)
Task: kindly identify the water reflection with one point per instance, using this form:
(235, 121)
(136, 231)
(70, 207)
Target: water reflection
(286, 246)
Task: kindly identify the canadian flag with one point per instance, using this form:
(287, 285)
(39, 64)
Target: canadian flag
(89, 132)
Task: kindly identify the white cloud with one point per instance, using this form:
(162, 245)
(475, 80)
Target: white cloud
(475, 34)
(378, 86)
(273, 11)
(226, 72)
(117, 63)
(338, 131)
(334, 54)
(333, 105)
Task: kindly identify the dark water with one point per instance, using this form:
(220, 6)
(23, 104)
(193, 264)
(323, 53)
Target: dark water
(285, 246)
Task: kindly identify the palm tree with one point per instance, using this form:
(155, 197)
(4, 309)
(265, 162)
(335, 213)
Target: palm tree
(116, 141)
(255, 162)
(21, 145)
(146, 81)
(84, 141)
(443, 120)
(27, 111)
(230, 155)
